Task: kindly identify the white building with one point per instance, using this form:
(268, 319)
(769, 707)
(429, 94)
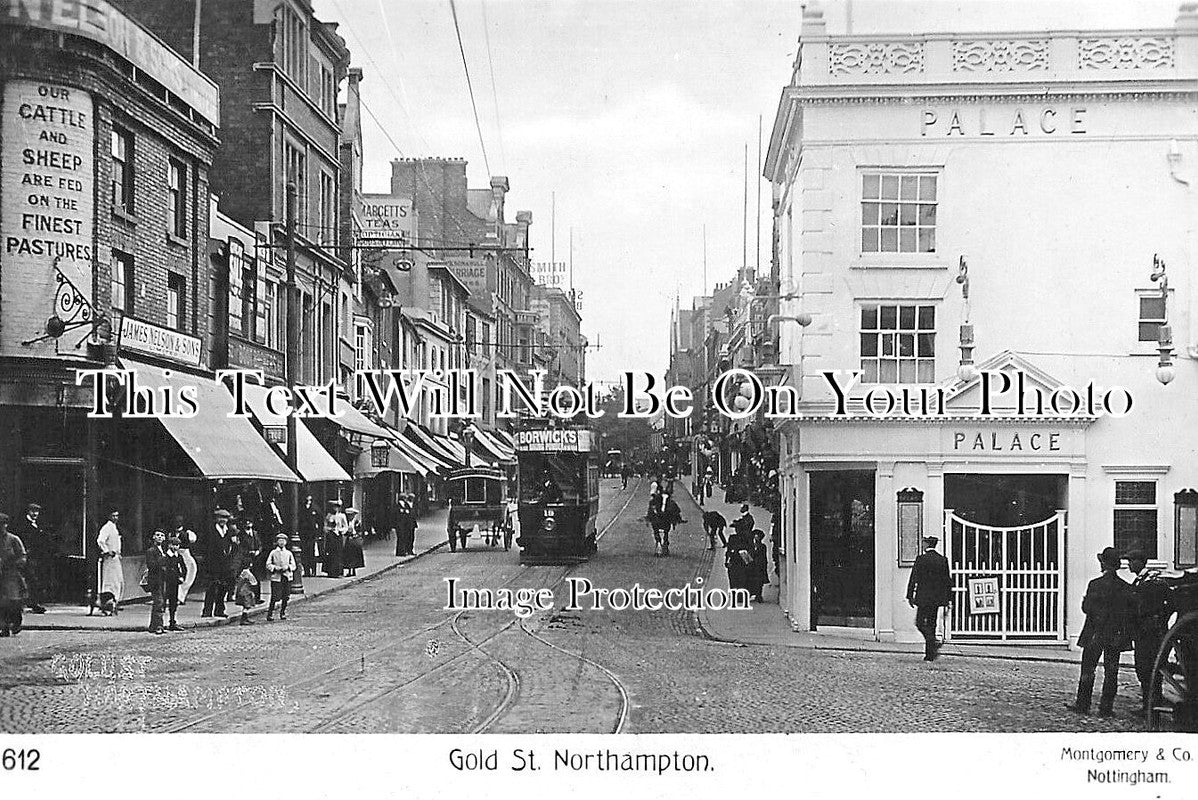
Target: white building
(1054, 165)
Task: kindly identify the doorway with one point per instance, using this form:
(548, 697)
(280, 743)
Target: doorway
(59, 485)
(842, 548)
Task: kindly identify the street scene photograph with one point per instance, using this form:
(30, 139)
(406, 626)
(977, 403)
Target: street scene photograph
(553, 367)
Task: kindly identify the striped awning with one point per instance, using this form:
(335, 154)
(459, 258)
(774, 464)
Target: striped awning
(313, 462)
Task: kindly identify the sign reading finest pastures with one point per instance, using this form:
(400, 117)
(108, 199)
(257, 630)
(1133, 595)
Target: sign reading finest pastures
(143, 337)
(47, 179)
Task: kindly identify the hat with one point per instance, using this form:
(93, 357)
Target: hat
(33, 507)
(282, 536)
(220, 513)
(931, 540)
(174, 539)
(351, 511)
(334, 502)
(1109, 556)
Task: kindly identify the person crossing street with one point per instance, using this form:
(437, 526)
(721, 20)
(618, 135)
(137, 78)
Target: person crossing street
(929, 588)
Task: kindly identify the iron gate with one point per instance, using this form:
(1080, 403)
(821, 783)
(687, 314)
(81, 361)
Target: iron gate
(1028, 563)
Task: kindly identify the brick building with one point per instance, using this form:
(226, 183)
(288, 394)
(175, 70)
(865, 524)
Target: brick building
(107, 143)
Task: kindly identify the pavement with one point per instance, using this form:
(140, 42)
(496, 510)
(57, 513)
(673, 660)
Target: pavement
(769, 625)
(378, 554)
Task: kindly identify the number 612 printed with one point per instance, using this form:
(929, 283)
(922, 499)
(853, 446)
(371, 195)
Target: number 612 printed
(22, 760)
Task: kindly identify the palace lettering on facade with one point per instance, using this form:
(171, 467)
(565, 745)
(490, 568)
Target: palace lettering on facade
(941, 195)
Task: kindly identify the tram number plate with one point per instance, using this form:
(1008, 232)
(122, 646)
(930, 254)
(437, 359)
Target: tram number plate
(549, 512)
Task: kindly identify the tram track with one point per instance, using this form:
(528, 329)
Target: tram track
(512, 693)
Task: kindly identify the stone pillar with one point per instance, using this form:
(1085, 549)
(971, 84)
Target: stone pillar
(798, 561)
(885, 550)
(1080, 549)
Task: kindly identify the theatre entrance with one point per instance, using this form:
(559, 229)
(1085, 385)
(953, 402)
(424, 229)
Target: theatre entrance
(1004, 537)
(842, 548)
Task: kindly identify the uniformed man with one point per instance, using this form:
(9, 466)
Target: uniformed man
(1150, 621)
(1107, 606)
(929, 588)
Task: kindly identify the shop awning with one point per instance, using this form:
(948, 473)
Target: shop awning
(354, 421)
(505, 438)
(428, 443)
(314, 463)
(415, 454)
(478, 456)
(221, 446)
(364, 465)
(494, 448)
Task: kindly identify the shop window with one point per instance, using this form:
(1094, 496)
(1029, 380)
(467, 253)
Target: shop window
(176, 293)
(1185, 521)
(898, 212)
(122, 170)
(1152, 316)
(295, 170)
(122, 282)
(1135, 517)
(177, 198)
(898, 343)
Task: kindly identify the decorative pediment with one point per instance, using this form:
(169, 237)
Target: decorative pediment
(1003, 375)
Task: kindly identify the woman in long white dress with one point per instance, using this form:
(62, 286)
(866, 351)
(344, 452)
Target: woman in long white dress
(112, 578)
(186, 540)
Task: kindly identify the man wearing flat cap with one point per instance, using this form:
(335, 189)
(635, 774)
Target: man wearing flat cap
(40, 548)
(218, 550)
(929, 588)
(1108, 608)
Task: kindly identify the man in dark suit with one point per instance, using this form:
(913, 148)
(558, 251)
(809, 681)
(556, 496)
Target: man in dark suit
(1150, 617)
(218, 551)
(1108, 607)
(929, 588)
(40, 549)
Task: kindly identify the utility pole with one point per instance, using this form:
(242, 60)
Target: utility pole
(552, 230)
(297, 580)
(757, 184)
(704, 260)
(744, 238)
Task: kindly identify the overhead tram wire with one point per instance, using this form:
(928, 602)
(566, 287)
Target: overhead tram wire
(494, 92)
(470, 85)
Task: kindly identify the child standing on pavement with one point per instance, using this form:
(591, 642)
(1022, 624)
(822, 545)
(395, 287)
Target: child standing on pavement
(280, 564)
(174, 571)
(244, 591)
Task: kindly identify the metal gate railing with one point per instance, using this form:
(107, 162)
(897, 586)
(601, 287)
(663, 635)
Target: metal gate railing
(1028, 563)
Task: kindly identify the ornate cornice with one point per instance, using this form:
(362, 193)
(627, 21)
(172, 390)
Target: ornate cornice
(959, 97)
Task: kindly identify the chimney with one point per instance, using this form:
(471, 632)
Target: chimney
(499, 188)
(523, 220)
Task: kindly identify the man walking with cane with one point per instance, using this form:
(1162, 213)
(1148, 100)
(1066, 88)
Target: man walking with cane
(929, 588)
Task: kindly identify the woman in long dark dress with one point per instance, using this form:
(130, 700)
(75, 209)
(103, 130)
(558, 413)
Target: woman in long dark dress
(739, 545)
(353, 557)
(335, 528)
(759, 569)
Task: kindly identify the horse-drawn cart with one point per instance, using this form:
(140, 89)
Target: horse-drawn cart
(1173, 692)
(477, 501)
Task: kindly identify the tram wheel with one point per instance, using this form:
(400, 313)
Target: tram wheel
(1173, 693)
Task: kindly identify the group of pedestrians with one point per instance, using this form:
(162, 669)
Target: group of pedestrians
(745, 555)
(1119, 617)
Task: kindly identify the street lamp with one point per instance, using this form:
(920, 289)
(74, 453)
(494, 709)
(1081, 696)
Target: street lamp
(966, 371)
(1164, 367)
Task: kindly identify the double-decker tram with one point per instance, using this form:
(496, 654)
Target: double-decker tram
(559, 494)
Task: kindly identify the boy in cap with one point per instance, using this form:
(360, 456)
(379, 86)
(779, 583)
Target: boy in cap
(174, 570)
(929, 588)
(280, 564)
(1107, 606)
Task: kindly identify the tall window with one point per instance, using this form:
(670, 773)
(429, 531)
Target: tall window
(295, 45)
(1152, 316)
(122, 169)
(249, 298)
(898, 213)
(1135, 517)
(328, 90)
(328, 209)
(295, 169)
(176, 293)
(177, 198)
(898, 343)
(122, 282)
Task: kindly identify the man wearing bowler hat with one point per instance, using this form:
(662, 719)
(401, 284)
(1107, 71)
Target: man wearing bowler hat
(1108, 609)
(929, 588)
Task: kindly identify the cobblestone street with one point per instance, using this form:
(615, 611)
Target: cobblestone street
(385, 655)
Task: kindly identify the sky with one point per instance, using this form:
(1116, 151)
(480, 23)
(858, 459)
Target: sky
(625, 123)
